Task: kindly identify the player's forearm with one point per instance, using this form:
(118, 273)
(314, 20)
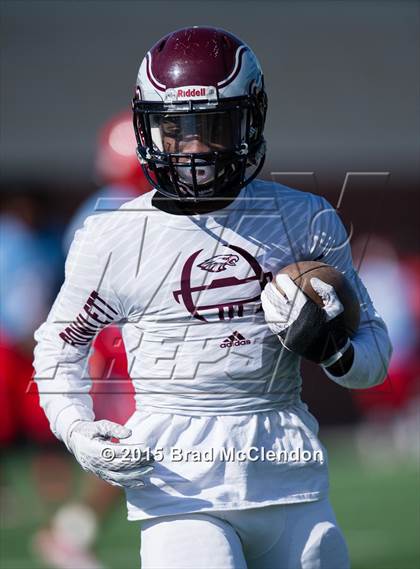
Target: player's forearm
(366, 364)
(63, 385)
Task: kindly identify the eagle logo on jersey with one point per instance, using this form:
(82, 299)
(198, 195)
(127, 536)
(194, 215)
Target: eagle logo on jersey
(225, 297)
(218, 263)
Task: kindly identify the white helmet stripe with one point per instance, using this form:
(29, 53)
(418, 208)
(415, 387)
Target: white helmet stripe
(150, 75)
(238, 61)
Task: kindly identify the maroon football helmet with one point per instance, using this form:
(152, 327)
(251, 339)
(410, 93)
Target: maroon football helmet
(199, 114)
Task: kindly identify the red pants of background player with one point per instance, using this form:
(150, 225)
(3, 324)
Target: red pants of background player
(21, 414)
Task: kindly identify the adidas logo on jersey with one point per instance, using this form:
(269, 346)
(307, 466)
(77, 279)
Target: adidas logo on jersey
(235, 339)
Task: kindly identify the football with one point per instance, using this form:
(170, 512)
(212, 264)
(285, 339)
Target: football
(301, 273)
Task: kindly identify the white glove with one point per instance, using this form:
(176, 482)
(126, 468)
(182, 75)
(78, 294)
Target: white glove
(332, 304)
(282, 310)
(118, 464)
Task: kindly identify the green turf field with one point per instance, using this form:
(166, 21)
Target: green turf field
(377, 507)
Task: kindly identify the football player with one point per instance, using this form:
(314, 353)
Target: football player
(187, 270)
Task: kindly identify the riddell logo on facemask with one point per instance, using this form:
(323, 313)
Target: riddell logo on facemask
(235, 339)
(191, 92)
(188, 92)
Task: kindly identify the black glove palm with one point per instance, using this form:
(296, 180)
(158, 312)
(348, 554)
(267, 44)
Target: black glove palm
(312, 336)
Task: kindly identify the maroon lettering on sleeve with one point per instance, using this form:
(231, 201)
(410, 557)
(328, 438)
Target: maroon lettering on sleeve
(96, 314)
(101, 300)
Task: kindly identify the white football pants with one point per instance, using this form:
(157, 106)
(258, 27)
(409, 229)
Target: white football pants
(291, 536)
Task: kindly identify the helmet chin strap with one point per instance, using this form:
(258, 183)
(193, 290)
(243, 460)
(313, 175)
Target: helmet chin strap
(204, 174)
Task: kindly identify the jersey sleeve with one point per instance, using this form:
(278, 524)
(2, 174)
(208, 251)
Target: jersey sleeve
(85, 304)
(328, 242)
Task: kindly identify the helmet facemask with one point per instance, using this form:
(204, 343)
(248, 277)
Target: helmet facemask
(199, 150)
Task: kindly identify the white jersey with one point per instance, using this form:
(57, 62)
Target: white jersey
(208, 373)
